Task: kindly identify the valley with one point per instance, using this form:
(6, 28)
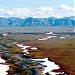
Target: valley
(60, 51)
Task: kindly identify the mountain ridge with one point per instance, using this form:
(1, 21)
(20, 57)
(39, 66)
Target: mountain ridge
(38, 22)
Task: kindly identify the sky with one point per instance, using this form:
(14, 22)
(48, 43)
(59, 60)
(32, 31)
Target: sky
(36, 8)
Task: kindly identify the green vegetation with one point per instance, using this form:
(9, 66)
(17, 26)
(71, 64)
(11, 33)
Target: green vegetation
(11, 53)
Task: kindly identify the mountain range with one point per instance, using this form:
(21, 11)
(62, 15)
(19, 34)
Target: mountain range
(38, 22)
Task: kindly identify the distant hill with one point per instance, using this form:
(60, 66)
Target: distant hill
(38, 22)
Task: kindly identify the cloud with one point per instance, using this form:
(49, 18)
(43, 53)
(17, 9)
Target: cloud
(66, 7)
(44, 12)
(41, 12)
(18, 12)
(46, 9)
(24, 12)
(67, 10)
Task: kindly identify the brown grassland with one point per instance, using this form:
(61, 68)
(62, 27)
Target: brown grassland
(61, 51)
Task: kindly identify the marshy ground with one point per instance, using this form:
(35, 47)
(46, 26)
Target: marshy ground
(60, 51)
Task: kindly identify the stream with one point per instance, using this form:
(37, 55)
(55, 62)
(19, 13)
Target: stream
(47, 65)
